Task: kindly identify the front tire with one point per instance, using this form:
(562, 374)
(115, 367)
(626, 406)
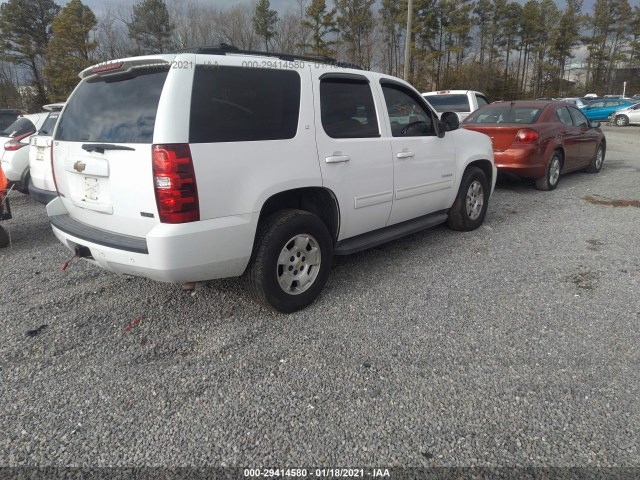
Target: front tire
(622, 121)
(291, 261)
(552, 175)
(597, 161)
(470, 207)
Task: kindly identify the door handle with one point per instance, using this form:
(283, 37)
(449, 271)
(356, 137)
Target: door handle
(405, 154)
(337, 159)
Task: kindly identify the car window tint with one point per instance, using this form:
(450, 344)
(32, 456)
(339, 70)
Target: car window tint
(407, 115)
(564, 116)
(49, 124)
(579, 120)
(347, 109)
(504, 114)
(481, 101)
(21, 126)
(449, 102)
(234, 104)
(6, 119)
(118, 109)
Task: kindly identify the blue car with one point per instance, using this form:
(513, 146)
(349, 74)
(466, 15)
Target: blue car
(601, 109)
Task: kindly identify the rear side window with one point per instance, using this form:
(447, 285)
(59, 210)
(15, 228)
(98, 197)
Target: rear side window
(6, 119)
(449, 102)
(564, 116)
(347, 109)
(49, 124)
(481, 101)
(579, 120)
(235, 104)
(22, 126)
(119, 109)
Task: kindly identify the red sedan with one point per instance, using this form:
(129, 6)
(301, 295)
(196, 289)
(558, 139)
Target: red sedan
(540, 139)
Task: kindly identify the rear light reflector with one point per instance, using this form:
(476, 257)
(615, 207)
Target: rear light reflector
(174, 182)
(526, 136)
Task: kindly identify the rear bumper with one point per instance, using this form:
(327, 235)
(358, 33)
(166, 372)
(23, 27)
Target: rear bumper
(523, 162)
(188, 252)
(41, 195)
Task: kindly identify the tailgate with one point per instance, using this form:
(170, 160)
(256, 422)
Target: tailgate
(102, 150)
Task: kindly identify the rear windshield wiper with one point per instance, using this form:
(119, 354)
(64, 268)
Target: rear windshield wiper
(101, 147)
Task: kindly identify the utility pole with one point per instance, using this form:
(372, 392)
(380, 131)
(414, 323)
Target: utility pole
(407, 45)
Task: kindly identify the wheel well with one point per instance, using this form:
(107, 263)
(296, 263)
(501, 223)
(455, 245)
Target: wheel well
(485, 166)
(316, 200)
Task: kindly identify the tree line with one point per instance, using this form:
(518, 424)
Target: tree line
(500, 47)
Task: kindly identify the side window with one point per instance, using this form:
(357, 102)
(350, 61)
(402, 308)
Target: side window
(564, 116)
(481, 101)
(408, 116)
(579, 120)
(596, 104)
(234, 104)
(347, 108)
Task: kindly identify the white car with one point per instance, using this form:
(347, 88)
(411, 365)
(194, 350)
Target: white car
(14, 157)
(218, 163)
(626, 116)
(41, 185)
(463, 102)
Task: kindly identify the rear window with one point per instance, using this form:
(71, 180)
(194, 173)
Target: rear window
(119, 109)
(22, 126)
(504, 114)
(234, 104)
(449, 102)
(6, 119)
(49, 124)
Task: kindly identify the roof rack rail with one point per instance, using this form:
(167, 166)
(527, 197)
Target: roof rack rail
(225, 48)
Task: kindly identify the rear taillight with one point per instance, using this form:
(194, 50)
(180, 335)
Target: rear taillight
(527, 136)
(15, 144)
(53, 172)
(174, 182)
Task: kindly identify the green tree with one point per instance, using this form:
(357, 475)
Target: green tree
(322, 22)
(392, 20)
(356, 23)
(71, 48)
(264, 21)
(566, 38)
(151, 27)
(25, 33)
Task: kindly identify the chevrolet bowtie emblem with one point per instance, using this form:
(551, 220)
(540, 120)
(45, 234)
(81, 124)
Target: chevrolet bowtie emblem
(79, 166)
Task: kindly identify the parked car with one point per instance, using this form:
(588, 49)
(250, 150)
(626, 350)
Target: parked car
(463, 102)
(8, 116)
(263, 166)
(14, 157)
(601, 109)
(627, 115)
(540, 140)
(41, 185)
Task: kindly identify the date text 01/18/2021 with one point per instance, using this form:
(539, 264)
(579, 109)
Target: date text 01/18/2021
(316, 472)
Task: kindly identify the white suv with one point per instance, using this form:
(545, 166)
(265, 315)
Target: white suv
(216, 163)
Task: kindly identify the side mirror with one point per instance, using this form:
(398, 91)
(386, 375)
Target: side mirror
(450, 121)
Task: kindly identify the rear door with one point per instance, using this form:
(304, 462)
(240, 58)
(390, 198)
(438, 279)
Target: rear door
(355, 159)
(40, 154)
(571, 138)
(102, 145)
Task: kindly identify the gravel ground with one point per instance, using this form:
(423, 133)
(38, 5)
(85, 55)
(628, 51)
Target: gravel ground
(514, 345)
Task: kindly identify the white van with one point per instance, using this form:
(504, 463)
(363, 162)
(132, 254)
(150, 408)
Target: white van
(218, 162)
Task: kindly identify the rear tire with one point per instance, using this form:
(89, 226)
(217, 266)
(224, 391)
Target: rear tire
(622, 121)
(597, 161)
(291, 261)
(4, 238)
(470, 207)
(552, 175)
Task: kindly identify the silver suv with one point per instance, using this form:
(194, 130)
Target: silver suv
(218, 162)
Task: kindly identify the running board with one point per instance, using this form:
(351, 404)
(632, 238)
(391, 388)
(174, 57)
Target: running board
(387, 234)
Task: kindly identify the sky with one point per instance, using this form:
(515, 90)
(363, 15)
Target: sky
(280, 5)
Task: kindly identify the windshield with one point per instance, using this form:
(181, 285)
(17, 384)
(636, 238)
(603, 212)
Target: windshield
(114, 110)
(504, 114)
(449, 102)
(49, 124)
